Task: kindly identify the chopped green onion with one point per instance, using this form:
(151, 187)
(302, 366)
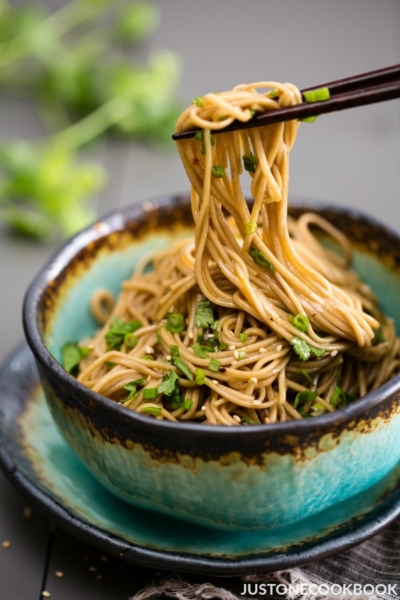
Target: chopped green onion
(242, 354)
(147, 357)
(215, 325)
(273, 94)
(204, 315)
(345, 397)
(222, 346)
(307, 376)
(247, 421)
(174, 351)
(149, 393)
(214, 365)
(131, 387)
(199, 135)
(317, 351)
(152, 410)
(184, 368)
(175, 322)
(303, 413)
(200, 338)
(169, 384)
(243, 337)
(187, 405)
(260, 259)
(200, 351)
(198, 101)
(378, 338)
(300, 322)
(200, 376)
(250, 227)
(317, 95)
(218, 171)
(250, 163)
(308, 119)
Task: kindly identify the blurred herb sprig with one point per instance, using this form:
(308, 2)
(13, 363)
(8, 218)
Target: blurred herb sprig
(73, 65)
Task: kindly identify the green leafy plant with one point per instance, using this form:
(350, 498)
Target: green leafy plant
(74, 65)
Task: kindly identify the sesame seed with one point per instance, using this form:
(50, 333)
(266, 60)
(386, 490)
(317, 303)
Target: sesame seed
(279, 348)
(168, 357)
(266, 420)
(236, 417)
(236, 354)
(92, 569)
(59, 574)
(262, 350)
(257, 402)
(215, 381)
(27, 512)
(231, 347)
(191, 335)
(6, 544)
(149, 350)
(334, 353)
(104, 558)
(234, 362)
(203, 408)
(253, 379)
(46, 594)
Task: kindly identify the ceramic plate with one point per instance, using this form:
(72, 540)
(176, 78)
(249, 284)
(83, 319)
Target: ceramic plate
(39, 463)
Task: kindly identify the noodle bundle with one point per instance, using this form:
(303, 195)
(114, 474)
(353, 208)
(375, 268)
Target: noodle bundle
(254, 321)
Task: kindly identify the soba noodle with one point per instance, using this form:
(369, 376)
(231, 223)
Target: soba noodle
(253, 321)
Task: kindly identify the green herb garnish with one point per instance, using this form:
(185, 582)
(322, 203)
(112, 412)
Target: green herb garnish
(243, 337)
(174, 351)
(200, 351)
(340, 398)
(250, 227)
(149, 393)
(72, 355)
(198, 101)
(300, 322)
(169, 383)
(218, 171)
(147, 357)
(260, 259)
(204, 315)
(131, 387)
(378, 338)
(304, 350)
(175, 322)
(152, 410)
(222, 346)
(247, 421)
(187, 405)
(317, 95)
(200, 376)
(307, 376)
(214, 365)
(303, 397)
(250, 163)
(117, 331)
(184, 368)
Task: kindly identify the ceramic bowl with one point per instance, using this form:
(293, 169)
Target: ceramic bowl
(238, 478)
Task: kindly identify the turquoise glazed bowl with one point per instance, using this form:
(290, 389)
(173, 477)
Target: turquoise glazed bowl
(238, 478)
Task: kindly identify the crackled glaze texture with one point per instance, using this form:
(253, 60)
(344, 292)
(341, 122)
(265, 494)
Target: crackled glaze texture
(242, 478)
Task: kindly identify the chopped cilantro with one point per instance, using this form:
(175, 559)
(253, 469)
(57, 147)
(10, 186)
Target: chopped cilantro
(304, 350)
(149, 393)
(174, 351)
(168, 384)
(72, 354)
(218, 171)
(216, 325)
(204, 315)
(130, 340)
(131, 387)
(118, 330)
(175, 322)
(307, 376)
(250, 162)
(260, 259)
(247, 421)
(302, 397)
(340, 398)
(300, 322)
(214, 365)
(152, 410)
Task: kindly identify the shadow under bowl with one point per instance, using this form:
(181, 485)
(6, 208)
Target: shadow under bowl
(238, 478)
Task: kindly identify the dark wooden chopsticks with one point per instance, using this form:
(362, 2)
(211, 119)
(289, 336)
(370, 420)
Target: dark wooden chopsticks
(359, 90)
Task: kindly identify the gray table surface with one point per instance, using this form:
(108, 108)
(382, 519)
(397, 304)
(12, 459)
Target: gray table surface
(351, 158)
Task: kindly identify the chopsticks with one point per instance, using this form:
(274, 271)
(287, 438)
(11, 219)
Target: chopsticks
(359, 90)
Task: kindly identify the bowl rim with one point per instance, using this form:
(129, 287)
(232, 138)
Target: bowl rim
(115, 221)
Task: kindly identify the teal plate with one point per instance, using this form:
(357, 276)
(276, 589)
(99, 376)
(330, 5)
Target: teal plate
(37, 460)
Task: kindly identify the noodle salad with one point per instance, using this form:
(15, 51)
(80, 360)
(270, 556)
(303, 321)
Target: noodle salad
(254, 321)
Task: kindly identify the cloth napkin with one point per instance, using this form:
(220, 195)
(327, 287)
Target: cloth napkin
(370, 571)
